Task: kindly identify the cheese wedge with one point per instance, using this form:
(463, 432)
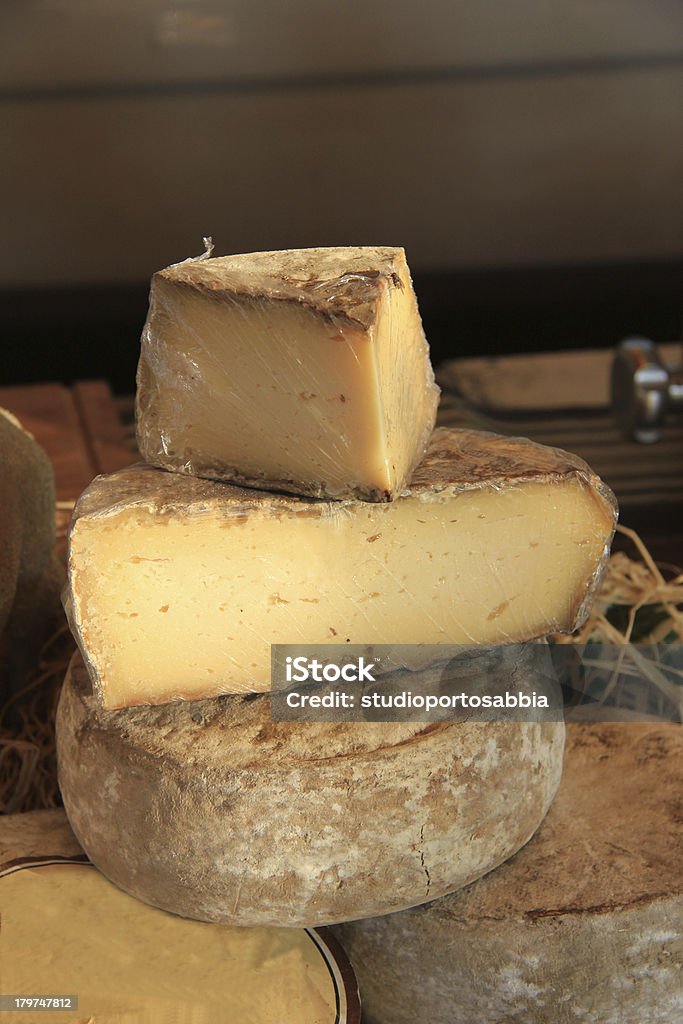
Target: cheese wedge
(305, 371)
(212, 810)
(179, 586)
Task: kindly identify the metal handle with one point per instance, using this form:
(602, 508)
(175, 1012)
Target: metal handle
(644, 390)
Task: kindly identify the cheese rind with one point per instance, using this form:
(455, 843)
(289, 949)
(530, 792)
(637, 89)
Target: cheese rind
(584, 924)
(304, 370)
(30, 577)
(179, 586)
(211, 810)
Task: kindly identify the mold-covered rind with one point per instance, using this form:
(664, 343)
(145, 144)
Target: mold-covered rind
(337, 284)
(584, 924)
(211, 810)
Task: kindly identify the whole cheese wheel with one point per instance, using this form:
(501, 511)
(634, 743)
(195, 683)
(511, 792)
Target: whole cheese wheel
(30, 578)
(212, 810)
(109, 959)
(584, 925)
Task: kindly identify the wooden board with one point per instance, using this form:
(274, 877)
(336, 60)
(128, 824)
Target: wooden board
(78, 427)
(562, 399)
(547, 381)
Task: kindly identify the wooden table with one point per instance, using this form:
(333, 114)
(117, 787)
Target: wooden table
(562, 399)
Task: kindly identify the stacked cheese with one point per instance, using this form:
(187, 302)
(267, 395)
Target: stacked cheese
(294, 493)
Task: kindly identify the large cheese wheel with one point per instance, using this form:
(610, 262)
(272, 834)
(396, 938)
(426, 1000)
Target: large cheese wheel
(67, 932)
(584, 925)
(213, 811)
(30, 578)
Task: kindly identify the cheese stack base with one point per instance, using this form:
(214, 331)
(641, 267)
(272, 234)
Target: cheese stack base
(584, 925)
(211, 810)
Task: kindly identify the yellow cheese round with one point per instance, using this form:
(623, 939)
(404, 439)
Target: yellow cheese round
(67, 931)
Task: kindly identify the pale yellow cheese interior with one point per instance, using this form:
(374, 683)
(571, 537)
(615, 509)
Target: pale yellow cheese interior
(66, 930)
(188, 604)
(261, 389)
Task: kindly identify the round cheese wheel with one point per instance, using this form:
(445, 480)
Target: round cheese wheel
(69, 933)
(584, 925)
(212, 810)
(30, 577)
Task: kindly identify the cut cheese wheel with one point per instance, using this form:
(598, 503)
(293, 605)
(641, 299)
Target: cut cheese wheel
(69, 933)
(211, 810)
(305, 370)
(585, 924)
(178, 586)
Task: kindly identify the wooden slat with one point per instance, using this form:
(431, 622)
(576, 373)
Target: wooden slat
(48, 411)
(102, 428)
(543, 382)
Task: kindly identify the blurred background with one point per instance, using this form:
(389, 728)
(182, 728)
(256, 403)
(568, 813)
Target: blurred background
(528, 155)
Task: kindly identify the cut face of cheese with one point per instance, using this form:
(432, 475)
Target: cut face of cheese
(179, 586)
(212, 810)
(584, 924)
(305, 371)
(66, 929)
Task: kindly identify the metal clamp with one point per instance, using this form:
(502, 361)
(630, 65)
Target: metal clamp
(644, 390)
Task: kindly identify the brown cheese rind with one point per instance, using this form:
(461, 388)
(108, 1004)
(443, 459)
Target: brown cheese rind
(465, 459)
(211, 810)
(455, 461)
(334, 283)
(584, 924)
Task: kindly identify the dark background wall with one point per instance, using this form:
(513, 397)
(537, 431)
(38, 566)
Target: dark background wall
(529, 156)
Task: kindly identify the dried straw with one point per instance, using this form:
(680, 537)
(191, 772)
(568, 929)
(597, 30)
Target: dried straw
(28, 766)
(636, 625)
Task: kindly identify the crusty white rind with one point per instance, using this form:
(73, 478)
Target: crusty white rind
(211, 810)
(584, 924)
